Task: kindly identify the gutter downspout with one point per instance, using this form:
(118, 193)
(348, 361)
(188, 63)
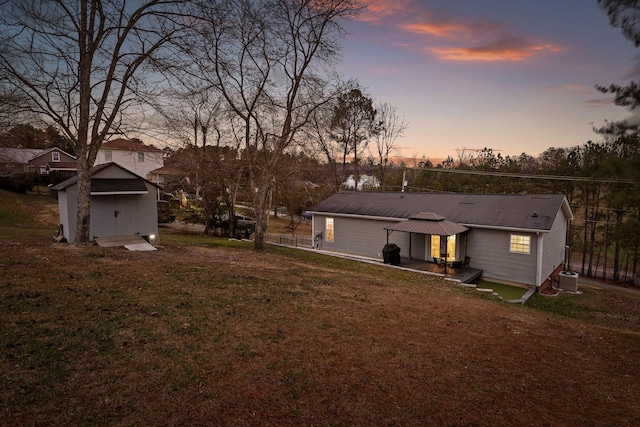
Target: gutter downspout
(539, 260)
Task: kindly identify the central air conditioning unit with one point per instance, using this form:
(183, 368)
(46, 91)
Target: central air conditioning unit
(568, 281)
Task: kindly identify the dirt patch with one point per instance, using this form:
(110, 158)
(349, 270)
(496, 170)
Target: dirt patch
(210, 335)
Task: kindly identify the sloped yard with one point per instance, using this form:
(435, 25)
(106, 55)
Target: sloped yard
(208, 332)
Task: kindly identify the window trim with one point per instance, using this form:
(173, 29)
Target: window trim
(108, 155)
(55, 156)
(329, 231)
(520, 244)
(140, 157)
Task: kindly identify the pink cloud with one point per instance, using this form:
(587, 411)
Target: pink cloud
(492, 40)
(375, 10)
(510, 50)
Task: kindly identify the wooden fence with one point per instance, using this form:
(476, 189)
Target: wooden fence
(289, 240)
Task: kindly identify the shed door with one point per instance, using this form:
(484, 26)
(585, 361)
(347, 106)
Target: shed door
(114, 215)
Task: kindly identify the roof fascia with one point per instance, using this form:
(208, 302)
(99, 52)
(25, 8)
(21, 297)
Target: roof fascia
(493, 227)
(379, 218)
(383, 218)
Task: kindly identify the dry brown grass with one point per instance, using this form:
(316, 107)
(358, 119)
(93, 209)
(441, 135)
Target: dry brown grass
(208, 332)
(212, 335)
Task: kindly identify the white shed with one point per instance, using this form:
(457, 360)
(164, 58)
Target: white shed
(122, 204)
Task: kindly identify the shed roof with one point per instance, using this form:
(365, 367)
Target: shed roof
(73, 180)
(530, 211)
(106, 186)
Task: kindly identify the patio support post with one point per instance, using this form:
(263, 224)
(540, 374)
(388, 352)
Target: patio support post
(445, 253)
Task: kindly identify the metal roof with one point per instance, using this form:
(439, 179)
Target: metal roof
(440, 227)
(117, 186)
(74, 179)
(520, 211)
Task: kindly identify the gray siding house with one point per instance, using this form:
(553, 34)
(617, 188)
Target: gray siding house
(122, 204)
(519, 239)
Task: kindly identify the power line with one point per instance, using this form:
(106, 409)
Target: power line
(530, 176)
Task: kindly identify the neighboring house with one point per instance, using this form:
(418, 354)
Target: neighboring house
(164, 176)
(62, 171)
(139, 158)
(16, 160)
(365, 182)
(512, 238)
(54, 164)
(122, 204)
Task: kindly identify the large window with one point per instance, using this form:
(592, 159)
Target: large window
(520, 244)
(328, 230)
(438, 249)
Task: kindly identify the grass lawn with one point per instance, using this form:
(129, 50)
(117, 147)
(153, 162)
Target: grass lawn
(205, 331)
(505, 291)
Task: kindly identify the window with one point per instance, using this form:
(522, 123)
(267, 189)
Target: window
(328, 232)
(438, 250)
(140, 157)
(108, 156)
(55, 156)
(520, 244)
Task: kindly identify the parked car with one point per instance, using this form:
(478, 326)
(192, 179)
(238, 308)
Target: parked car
(244, 225)
(164, 212)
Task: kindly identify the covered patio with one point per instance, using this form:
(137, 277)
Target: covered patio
(442, 259)
(465, 275)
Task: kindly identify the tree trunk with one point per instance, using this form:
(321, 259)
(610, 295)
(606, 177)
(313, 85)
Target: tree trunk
(83, 217)
(261, 203)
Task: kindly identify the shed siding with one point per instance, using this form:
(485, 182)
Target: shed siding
(489, 251)
(64, 214)
(139, 213)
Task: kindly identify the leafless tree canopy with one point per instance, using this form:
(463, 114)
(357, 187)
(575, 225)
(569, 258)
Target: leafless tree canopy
(79, 66)
(271, 61)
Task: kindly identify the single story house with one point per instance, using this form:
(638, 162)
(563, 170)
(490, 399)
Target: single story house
(518, 239)
(122, 204)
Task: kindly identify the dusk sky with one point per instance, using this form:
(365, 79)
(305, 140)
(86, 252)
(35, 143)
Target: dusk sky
(512, 75)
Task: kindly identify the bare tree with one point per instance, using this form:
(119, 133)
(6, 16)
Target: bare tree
(271, 60)
(80, 67)
(389, 127)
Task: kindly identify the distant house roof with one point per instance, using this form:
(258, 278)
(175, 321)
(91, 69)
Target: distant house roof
(49, 150)
(128, 145)
(102, 187)
(166, 170)
(18, 155)
(527, 212)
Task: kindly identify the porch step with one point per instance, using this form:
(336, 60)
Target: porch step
(132, 242)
